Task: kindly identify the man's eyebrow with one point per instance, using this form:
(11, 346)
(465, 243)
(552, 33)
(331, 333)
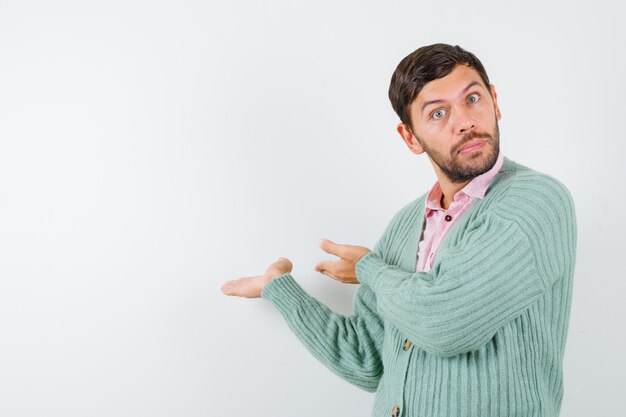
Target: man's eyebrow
(467, 87)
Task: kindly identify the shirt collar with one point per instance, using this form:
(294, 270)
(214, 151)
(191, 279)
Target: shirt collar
(476, 188)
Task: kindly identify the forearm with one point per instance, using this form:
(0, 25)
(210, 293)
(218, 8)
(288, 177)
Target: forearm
(458, 305)
(348, 345)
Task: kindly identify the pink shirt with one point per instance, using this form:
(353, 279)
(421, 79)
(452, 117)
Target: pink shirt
(439, 221)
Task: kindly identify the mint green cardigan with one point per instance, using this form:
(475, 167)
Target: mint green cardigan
(482, 333)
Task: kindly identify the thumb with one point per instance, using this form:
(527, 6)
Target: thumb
(333, 248)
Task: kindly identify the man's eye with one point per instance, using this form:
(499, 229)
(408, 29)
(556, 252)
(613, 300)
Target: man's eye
(438, 114)
(473, 98)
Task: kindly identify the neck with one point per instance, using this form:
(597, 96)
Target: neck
(449, 189)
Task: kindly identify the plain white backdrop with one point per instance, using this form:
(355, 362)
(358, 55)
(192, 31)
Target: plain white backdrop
(152, 150)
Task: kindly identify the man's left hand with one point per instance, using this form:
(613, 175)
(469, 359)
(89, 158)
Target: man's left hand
(342, 270)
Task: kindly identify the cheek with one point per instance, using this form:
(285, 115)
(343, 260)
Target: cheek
(433, 127)
(485, 115)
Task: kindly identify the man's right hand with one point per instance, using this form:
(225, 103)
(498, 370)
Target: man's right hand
(251, 287)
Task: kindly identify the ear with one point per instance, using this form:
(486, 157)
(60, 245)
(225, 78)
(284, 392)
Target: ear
(495, 101)
(409, 139)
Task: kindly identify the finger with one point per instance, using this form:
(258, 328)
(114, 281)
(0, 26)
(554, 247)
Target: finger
(235, 287)
(328, 274)
(227, 288)
(331, 247)
(325, 266)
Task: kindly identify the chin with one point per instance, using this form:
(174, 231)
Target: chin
(479, 161)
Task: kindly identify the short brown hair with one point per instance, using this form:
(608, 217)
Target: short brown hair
(422, 66)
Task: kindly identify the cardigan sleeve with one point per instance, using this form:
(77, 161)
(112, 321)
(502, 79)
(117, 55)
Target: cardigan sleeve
(477, 286)
(350, 346)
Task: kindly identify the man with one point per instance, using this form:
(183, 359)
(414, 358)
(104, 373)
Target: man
(465, 299)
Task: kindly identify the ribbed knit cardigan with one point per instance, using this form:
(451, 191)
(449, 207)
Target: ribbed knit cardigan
(482, 333)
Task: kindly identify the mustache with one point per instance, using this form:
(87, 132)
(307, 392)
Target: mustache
(472, 135)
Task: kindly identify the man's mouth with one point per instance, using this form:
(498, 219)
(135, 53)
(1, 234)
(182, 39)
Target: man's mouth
(472, 146)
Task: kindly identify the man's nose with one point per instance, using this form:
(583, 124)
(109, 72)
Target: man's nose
(464, 122)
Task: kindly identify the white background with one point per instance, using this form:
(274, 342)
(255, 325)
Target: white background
(151, 150)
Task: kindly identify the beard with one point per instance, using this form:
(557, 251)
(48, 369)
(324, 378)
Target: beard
(458, 171)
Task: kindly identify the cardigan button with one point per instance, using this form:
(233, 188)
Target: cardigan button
(395, 411)
(407, 345)
(448, 217)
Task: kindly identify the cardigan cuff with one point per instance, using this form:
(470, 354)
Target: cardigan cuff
(285, 293)
(368, 267)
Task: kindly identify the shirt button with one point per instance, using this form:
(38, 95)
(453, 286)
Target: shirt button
(448, 217)
(395, 411)
(407, 345)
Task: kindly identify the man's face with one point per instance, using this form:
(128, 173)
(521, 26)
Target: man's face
(451, 113)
